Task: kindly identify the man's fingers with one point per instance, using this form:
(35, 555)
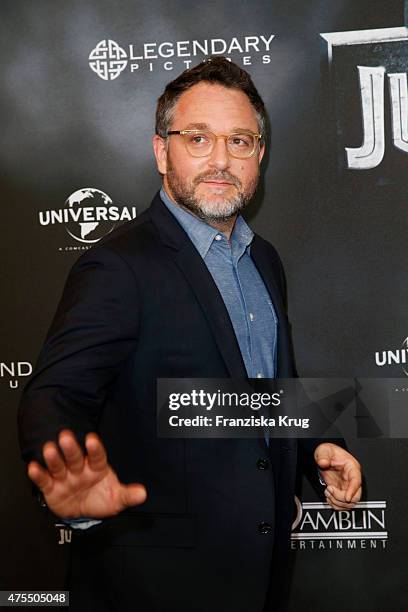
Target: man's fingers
(340, 497)
(54, 461)
(74, 457)
(343, 505)
(97, 458)
(323, 455)
(342, 473)
(39, 476)
(353, 486)
(133, 494)
(356, 497)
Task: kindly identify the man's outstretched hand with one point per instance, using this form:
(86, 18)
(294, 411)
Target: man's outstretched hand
(341, 473)
(76, 485)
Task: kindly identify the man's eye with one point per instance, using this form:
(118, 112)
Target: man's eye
(240, 141)
(199, 139)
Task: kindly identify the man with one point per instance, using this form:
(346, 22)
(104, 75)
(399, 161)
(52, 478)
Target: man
(186, 290)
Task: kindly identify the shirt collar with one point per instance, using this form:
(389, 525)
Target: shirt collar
(200, 233)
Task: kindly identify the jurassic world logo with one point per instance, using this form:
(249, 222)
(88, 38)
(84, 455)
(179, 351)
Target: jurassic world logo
(64, 533)
(368, 70)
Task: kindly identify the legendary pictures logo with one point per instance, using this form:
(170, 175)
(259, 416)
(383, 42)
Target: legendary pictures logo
(108, 59)
(398, 357)
(13, 371)
(88, 216)
(318, 526)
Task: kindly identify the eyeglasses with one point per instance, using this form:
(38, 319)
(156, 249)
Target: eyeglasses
(201, 143)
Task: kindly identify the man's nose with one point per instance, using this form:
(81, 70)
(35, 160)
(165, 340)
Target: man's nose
(219, 157)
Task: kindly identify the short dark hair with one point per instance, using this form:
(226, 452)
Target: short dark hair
(215, 69)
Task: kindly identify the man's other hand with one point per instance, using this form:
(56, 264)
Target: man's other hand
(341, 473)
(82, 485)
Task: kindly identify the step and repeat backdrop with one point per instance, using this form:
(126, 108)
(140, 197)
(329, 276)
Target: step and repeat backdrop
(79, 82)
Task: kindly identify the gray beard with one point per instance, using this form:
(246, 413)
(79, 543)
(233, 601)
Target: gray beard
(210, 212)
(204, 209)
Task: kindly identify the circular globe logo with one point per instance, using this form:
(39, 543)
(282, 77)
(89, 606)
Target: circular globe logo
(89, 215)
(108, 60)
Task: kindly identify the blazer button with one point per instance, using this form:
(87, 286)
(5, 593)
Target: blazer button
(265, 528)
(262, 464)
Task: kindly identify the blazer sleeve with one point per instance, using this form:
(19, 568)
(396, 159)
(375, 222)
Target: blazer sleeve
(93, 332)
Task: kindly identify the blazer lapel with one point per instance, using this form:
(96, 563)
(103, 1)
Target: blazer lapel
(202, 284)
(210, 300)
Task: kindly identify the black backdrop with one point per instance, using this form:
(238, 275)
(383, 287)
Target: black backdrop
(77, 115)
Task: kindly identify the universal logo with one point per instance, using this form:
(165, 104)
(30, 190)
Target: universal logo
(394, 357)
(108, 59)
(13, 371)
(88, 216)
(318, 526)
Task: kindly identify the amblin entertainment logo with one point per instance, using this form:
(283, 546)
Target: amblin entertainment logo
(318, 526)
(108, 59)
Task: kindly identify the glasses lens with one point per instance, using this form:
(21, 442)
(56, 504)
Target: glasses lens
(241, 145)
(199, 144)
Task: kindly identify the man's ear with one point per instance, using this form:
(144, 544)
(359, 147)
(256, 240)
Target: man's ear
(261, 153)
(160, 152)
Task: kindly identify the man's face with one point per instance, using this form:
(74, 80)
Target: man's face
(217, 186)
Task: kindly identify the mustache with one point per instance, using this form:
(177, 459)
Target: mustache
(219, 176)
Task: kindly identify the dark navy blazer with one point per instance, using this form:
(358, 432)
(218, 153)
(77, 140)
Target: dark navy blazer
(214, 531)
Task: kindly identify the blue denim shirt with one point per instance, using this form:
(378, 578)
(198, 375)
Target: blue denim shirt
(241, 287)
